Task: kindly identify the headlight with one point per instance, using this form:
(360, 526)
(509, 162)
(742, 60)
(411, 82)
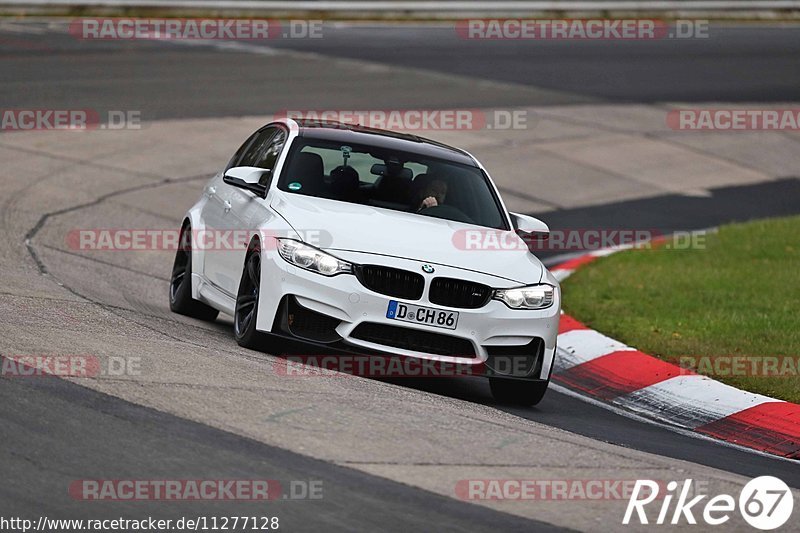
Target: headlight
(309, 258)
(533, 297)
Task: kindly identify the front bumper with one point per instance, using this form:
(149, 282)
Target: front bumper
(490, 330)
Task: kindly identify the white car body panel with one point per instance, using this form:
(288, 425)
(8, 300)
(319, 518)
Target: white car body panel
(403, 235)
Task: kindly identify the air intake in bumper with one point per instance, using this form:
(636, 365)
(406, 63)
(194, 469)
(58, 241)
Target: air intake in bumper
(413, 340)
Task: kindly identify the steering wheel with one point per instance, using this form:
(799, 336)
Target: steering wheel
(447, 212)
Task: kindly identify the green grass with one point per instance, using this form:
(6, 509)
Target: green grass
(738, 295)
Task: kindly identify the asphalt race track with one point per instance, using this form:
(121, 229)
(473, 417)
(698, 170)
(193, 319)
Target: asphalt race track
(736, 64)
(388, 453)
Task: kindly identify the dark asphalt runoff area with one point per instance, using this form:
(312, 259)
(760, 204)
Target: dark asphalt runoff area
(54, 431)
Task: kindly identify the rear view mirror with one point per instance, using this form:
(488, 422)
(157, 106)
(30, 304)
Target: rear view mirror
(381, 170)
(530, 225)
(248, 178)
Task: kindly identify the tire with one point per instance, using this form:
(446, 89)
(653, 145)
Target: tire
(246, 312)
(517, 391)
(180, 283)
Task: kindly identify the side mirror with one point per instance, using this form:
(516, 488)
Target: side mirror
(248, 178)
(530, 225)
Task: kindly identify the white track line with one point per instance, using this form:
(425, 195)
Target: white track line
(580, 346)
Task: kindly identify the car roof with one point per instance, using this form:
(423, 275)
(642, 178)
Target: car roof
(391, 140)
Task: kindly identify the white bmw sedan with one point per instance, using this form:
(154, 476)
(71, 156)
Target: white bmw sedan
(350, 240)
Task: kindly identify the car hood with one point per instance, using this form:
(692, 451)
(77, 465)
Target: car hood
(333, 225)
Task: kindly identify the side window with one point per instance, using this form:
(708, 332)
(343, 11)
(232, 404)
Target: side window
(269, 155)
(252, 154)
(240, 152)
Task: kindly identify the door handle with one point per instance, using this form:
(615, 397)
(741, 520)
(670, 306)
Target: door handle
(227, 205)
(211, 191)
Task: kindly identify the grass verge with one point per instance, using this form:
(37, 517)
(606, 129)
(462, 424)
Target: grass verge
(729, 308)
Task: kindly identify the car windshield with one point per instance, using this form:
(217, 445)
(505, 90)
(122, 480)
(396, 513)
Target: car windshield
(402, 181)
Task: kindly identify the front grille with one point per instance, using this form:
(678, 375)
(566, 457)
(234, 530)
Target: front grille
(413, 339)
(458, 293)
(391, 281)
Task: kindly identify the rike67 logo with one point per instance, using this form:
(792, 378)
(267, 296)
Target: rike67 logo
(765, 503)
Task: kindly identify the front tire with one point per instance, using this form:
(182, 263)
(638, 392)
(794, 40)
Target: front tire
(180, 284)
(517, 391)
(247, 298)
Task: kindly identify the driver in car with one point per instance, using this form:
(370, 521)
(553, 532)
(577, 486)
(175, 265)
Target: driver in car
(433, 195)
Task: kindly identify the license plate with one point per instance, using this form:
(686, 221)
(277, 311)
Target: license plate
(417, 314)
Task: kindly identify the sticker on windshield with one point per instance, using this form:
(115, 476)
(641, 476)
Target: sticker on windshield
(295, 186)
